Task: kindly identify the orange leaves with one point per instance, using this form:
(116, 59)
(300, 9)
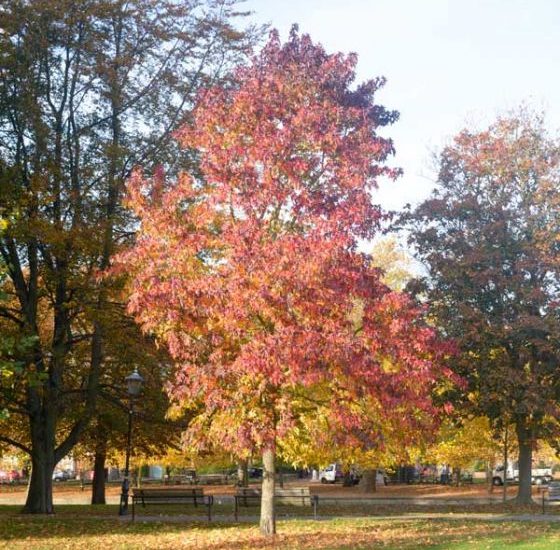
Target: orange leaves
(249, 273)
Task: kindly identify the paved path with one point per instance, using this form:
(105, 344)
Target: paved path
(58, 498)
(84, 497)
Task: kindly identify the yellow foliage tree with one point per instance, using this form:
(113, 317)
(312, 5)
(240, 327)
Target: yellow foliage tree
(461, 445)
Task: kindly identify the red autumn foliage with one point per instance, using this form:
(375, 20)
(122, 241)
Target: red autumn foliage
(250, 272)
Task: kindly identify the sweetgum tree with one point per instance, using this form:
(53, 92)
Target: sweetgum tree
(489, 239)
(249, 269)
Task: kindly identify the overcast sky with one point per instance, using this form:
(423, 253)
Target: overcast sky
(448, 63)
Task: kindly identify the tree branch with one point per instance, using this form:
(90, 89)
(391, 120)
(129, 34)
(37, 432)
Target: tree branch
(15, 443)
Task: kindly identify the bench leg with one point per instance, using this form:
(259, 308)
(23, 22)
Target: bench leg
(315, 503)
(543, 503)
(235, 507)
(133, 508)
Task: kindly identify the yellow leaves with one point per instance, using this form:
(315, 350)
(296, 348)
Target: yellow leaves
(396, 264)
(78, 530)
(461, 446)
(389, 366)
(472, 397)
(494, 353)
(177, 410)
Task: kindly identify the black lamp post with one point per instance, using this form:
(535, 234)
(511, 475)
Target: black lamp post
(134, 387)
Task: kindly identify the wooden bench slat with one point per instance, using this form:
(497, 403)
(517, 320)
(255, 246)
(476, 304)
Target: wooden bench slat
(299, 491)
(249, 496)
(168, 490)
(176, 492)
(553, 491)
(194, 496)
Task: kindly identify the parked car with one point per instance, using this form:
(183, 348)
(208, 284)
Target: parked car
(539, 476)
(61, 475)
(9, 476)
(331, 474)
(255, 473)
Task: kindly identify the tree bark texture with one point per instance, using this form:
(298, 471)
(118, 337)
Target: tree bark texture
(99, 474)
(43, 461)
(39, 492)
(457, 476)
(368, 483)
(525, 441)
(268, 515)
(490, 476)
(242, 473)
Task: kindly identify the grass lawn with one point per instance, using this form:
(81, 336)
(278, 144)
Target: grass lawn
(77, 527)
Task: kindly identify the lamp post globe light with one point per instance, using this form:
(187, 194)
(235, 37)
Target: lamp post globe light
(133, 387)
(134, 383)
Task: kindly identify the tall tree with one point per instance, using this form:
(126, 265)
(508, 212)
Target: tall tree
(249, 272)
(489, 239)
(87, 90)
(105, 438)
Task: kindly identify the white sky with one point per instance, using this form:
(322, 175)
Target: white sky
(448, 63)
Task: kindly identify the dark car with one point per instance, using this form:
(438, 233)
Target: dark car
(255, 473)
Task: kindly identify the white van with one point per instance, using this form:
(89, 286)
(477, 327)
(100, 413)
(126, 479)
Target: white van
(538, 475)
(333, 473)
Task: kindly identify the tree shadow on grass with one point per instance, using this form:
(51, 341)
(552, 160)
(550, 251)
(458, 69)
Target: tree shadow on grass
(345, 534)
(83, 531)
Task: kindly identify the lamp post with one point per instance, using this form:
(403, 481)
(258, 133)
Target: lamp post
(134, 387)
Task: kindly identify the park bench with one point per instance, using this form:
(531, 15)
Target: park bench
(180, 479)
(212, 479)
(467, 477)
(552, 492)
(300, 496)
(193, 496)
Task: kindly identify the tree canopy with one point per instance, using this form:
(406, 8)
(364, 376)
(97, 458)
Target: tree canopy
(87, 90)
(489, 240)
(249, 270)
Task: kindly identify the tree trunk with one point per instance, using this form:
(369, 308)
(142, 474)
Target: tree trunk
(524, 438)
(167, 477)
(490, 476)
(242, 473)
(457, 477)
(506, 460)
(99, 476)
(39, 492)
(368, 483)
(268, 517)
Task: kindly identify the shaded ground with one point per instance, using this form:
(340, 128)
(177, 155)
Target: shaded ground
(18, 532)
(399, 517)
